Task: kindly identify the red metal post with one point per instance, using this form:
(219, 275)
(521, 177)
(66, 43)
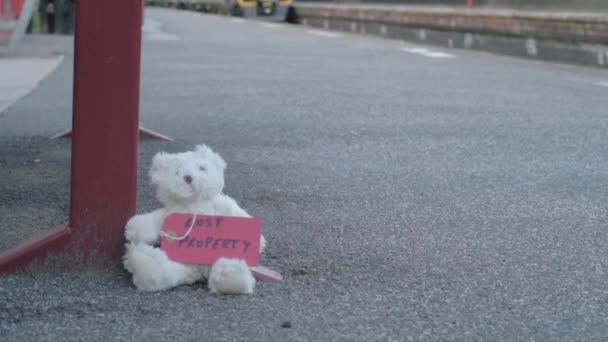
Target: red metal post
(105, 122)
(104, 145)
(470, 3)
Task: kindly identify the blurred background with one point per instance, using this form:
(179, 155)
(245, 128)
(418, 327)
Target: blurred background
(57, 16)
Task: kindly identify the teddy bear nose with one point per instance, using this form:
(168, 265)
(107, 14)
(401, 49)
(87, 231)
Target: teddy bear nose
(188, 179)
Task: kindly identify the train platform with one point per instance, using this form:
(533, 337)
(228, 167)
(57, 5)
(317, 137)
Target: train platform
(408, 191)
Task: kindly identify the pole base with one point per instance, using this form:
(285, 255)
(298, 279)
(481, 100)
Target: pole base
(142, 130)
(35, 250)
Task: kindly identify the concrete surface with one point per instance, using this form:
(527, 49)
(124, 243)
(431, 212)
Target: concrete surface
(34, 185)
(576, 37)
(21, 75)
(564, 5)
(551, 5)
(565, 37)
(406, 197)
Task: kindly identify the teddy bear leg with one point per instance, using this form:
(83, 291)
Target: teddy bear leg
(231, 276)
(153, 271)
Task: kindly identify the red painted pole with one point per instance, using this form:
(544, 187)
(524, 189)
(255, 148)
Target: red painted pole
(470, 3)
(104, 146)
(105, 122)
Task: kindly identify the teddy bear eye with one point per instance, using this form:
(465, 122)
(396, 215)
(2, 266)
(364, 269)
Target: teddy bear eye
(202, 168)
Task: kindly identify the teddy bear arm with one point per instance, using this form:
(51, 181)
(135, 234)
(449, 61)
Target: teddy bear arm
(145, 228)
(226, 205)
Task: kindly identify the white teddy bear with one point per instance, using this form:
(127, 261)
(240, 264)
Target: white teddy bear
(188, 182)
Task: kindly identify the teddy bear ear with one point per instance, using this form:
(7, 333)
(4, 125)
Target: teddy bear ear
(219, 161)
(206, 152)
(203, 150)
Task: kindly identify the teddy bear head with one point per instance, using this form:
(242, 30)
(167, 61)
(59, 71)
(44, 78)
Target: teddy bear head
(187, 177)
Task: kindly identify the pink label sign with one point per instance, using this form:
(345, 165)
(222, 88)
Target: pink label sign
(211, 238)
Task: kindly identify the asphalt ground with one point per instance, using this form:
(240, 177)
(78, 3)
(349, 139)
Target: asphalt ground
(405, 196)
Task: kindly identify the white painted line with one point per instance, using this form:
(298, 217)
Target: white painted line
(237, 20)
(428, 53)
(270, 25)
(326, 34)
(151, 26)
(21, 75)
(602, 84)
(162, 36)
(152, 31)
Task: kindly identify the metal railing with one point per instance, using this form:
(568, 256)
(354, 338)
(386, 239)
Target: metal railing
(14, 18)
